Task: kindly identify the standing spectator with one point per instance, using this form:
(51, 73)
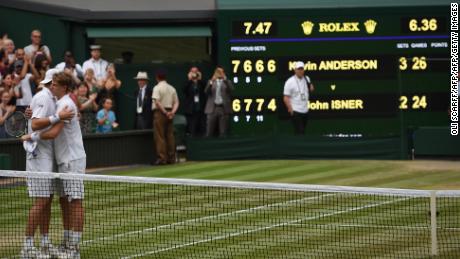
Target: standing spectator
(9, 50)
(90, 80)
(8, 86)
(296, 94)
(88, 107)
(109, 85)
(144, 114)
(194, 102)
(19, 54)
(37, 47)
(39, 68)
(69, 63)
(3, 37)
(106, 119)
(71, 69)
(7, 56)
(218, 106)
(96, 63)
(166, 104)
(24, 81)
(6, 109)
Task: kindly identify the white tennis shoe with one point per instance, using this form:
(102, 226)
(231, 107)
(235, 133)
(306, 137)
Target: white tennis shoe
(30, 252)
(48, 251)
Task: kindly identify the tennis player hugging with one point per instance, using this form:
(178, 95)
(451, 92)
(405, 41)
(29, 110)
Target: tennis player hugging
(55, 136)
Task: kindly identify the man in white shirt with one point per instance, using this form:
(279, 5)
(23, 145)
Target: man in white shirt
(41, 159)
(296, 94)
(69, 63)
(36, 47)
(70, 157)
(166, 104)
(96, 63)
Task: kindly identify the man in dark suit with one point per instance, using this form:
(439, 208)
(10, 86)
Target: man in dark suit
(218, 107)
(144, 115)
(194, 102)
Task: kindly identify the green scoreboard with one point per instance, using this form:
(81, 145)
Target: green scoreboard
(376, 71)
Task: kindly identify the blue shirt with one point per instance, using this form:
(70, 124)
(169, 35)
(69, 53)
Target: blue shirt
(107, 126)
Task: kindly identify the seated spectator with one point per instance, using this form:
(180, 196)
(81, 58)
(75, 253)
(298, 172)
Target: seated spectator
(6, 109)
(109, 85)
(36, 47)
(24, 81)
(88, 107)
(8, 85)
(96, 63)
(70, 63)
(105, 118)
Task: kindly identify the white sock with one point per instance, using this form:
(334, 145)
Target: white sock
(66, 237)
(29, 242)
(45, 240)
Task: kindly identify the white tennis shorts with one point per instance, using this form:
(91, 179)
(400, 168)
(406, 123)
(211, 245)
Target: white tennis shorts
(72, 189)
(40, 188)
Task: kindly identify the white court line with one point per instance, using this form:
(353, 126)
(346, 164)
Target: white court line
(204, 218)
(263, 228)
(381, 226)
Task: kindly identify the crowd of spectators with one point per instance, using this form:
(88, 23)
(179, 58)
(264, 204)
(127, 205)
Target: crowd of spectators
(94, 83)
(206, 104)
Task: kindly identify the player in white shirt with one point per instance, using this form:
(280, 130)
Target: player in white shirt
(41, 160)
(96, 63)
(296, 95)
(70, 157)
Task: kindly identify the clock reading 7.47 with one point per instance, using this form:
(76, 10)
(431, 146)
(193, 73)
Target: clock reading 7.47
(259, 28)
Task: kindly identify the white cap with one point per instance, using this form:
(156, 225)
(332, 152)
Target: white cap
(49, 76)
(141, 75)
(93, 47)
(299, 64)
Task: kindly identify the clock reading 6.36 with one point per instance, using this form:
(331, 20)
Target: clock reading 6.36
(423, 24)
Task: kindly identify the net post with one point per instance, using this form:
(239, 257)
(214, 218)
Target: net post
(433, 223)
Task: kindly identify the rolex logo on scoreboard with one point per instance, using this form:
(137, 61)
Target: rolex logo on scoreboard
(334, 27)
(370, 26)
(307, 27)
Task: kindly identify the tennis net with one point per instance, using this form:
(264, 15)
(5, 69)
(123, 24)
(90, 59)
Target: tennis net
(138, 217)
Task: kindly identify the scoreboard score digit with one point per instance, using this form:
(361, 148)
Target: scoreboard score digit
(376, 71)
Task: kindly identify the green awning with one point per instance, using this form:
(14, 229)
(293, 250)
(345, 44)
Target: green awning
(148, 32)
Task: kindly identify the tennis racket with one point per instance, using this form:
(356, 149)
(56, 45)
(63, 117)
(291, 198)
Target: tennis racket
(16, 124)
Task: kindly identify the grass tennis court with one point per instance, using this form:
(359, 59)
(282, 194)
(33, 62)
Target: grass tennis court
(174, 221)
(422, 174)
